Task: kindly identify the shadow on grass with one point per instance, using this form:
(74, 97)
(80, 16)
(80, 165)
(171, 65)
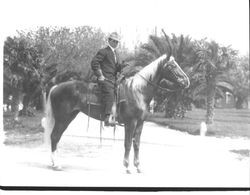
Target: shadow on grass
(243, 153)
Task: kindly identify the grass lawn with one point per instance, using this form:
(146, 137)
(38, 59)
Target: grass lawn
(28, 132)
(227, 122)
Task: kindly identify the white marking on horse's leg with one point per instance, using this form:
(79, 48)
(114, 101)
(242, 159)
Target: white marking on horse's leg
(138, 169)
(52, 156)
(137, 165)
(126, 164)
(54, 160)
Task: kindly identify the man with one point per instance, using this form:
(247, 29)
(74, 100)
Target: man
(105, 65)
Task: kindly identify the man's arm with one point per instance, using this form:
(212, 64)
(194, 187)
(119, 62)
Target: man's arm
(96, 63)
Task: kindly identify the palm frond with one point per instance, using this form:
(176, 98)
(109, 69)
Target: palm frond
(180, 50)
(224, 77)
(219, 92)
(144, 58)
(149, 48)
(225, 85)
(159, 44)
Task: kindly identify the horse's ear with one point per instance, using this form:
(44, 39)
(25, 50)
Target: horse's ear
(171, 58)
(169, 45)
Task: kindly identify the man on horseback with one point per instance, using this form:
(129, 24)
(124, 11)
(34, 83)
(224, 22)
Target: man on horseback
(105, 65)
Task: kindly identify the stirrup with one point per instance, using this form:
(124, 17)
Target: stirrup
(109, 124)
(109, 121)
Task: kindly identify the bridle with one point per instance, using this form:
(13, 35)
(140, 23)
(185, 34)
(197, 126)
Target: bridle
(157, 86)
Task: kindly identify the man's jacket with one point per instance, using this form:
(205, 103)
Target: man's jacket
(104, 63)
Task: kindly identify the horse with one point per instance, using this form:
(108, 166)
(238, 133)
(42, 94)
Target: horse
(67, 99)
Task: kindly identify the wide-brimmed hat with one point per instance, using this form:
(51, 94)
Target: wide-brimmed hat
(114, 36)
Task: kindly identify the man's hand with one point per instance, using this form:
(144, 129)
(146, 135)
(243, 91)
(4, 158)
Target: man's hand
(101, 78)
(120, 78)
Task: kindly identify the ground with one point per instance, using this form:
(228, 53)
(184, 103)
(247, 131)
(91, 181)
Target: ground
(169, 158)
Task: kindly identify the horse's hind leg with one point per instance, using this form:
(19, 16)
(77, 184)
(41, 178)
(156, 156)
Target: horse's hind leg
(129, 131)
(136, 144)
(56, 134)
(60, 126)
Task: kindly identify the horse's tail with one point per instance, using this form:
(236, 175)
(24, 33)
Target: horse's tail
(48, 121)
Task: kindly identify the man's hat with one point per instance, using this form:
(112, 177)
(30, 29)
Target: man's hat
(114, 36)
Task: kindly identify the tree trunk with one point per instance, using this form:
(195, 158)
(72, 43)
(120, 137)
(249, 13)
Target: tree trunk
(170, 106)
(239, 103)
(39, 102)
(210, 103)
(26, 100)
(44, 100)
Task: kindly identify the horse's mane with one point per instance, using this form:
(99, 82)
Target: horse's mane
(146, 73)
(151, 69)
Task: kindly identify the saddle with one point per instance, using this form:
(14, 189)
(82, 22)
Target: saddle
(94, 94)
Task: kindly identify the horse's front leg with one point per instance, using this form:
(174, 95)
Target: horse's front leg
(129, 131)
(136, 144)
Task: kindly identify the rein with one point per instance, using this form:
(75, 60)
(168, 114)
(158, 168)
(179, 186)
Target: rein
(156, 86)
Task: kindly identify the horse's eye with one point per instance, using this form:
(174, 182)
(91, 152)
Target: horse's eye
(174, 65)
(171, 66)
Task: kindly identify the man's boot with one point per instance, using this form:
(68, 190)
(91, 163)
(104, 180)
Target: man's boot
(109, 121)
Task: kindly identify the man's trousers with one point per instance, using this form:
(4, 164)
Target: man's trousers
(108, 95)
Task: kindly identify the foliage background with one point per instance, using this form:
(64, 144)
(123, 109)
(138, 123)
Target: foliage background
(35, 60)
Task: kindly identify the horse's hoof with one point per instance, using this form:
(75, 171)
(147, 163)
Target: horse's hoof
(126, 163)
(139, 170)
(136, 163)
(56, 168)
(128, 171)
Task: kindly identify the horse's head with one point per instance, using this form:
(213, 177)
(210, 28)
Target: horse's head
(175, 76)
(172, 72)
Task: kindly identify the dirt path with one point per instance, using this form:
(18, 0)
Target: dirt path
(168, 159)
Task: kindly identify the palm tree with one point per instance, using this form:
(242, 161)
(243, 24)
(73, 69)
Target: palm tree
(239, 76)
(212, 68)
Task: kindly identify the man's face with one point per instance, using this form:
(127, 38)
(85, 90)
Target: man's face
(113, 43)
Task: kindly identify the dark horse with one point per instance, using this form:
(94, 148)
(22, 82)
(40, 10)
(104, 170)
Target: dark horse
(67, 99)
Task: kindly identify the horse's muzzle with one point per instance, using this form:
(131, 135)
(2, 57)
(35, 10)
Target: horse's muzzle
(184, 83)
